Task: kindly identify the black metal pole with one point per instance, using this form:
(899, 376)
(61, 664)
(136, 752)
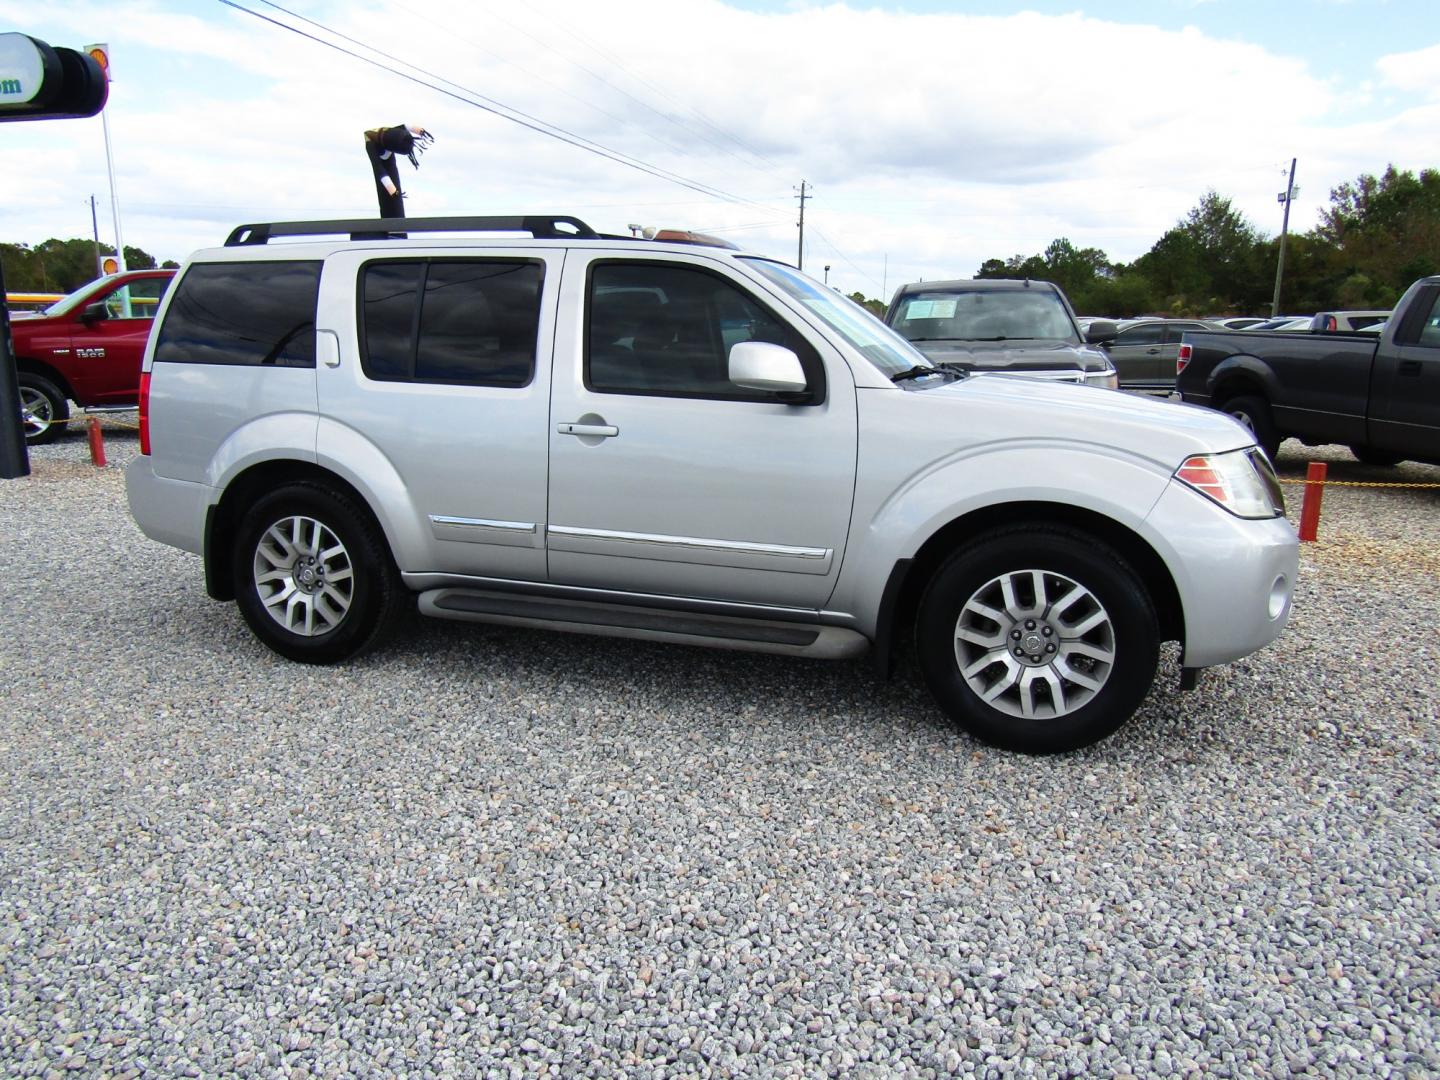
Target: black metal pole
(14, 458)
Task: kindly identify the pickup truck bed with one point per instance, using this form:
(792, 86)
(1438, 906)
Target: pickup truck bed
(1380, 398)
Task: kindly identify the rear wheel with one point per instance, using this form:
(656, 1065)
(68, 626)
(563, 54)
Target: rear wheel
(313, 576)
(43, 408)
(1382, 458)
(1038, 639)
(1254, 413)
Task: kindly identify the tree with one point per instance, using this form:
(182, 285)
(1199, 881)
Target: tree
(875, 307)
(1387, 227)
(61, 266)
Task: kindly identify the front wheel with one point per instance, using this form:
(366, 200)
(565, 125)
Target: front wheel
(43, 409)
(1254, 413)
(1040, 640)
(313, 576)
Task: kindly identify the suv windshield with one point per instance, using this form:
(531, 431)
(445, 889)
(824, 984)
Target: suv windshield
(1035, 314)
(884, 348)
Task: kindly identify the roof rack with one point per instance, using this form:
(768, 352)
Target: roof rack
(539, 226)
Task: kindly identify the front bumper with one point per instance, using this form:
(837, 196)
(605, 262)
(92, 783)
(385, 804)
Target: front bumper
(1236, 577)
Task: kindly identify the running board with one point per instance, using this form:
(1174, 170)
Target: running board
(645, 623)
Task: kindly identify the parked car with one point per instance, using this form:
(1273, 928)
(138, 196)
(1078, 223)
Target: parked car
(689, 444)
(1144, 353)
(1019, 327)
(1379, 397)
(1238, 322)
(1283, 322)
(85, 348)
(1345, 321)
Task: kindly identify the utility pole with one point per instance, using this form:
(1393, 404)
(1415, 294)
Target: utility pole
(95, 230)
(1287, 197)
(800, 254)
(101, 55)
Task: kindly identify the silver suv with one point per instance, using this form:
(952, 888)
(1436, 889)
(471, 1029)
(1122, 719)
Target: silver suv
(690, 444)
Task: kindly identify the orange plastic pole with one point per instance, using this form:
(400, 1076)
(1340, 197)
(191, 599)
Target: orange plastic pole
(97, 444)
(1310, 504)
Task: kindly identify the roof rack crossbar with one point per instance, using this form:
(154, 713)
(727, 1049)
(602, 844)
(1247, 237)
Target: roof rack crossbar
(539, 226)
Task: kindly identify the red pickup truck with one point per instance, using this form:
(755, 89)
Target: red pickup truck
(86, 348)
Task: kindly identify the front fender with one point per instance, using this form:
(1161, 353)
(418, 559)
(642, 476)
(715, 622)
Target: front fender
(982, 481)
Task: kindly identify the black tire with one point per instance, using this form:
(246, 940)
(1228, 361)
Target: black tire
(1380, 458)
(1074, 697)
(46, 413)
(1254, 413)
(321, 611)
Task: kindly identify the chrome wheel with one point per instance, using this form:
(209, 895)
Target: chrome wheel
(37, 411)
(303, 576)
(1034, 644)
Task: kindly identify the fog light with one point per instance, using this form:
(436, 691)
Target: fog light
(1279, 597)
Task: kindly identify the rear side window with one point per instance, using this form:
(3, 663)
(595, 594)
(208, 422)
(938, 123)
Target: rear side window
(472, 322)
(242, 313)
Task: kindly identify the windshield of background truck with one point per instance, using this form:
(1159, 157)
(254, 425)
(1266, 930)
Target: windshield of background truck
(79, 296)
(989, 315)
(884, 348)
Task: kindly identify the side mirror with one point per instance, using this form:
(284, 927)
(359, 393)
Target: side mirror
(96, 312)
(759, 365)
(1100, 331)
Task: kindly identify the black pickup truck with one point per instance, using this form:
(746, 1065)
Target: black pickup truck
(1379, 397)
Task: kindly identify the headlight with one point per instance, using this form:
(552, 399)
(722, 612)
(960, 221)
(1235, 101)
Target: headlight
(1108, 379)
(1241, 481)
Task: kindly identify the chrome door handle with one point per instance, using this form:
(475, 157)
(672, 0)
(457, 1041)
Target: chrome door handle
(604, 431)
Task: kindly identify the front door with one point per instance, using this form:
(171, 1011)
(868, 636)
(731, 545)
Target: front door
(108, 350)
(665, 477)
(1405, 400)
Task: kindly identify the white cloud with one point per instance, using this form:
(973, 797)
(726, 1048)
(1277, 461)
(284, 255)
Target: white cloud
(1416, 73)
(934, 141)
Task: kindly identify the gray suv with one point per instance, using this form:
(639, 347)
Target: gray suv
(683, 443)
(998, 325)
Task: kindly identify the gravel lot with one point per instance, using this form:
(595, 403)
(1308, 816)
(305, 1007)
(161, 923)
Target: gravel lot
(498, 852)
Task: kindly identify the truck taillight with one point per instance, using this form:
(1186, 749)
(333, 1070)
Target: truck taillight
(145, 412)
(1183, 358)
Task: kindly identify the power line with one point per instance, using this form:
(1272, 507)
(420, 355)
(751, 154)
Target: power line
(620, 64)
(494, 107)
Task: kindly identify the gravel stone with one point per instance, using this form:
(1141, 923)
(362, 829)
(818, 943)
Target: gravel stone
(493, 852)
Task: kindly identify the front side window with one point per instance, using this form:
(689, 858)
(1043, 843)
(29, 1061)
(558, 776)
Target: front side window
(666, 329)
(1425, 331)
(137, 300)
(466, 321)
(260, 313)
(1148, 333)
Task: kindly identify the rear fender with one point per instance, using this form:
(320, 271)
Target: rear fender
(1241, 374)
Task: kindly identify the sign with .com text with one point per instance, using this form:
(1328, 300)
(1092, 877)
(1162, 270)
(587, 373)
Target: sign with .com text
(22, 69)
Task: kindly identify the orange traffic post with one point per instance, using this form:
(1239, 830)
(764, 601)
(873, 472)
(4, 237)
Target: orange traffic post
(97, 443)
(1310, 503)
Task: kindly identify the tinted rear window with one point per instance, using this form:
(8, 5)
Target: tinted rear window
(472, 322)
(242, 313)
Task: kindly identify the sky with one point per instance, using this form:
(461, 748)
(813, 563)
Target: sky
(932, 135)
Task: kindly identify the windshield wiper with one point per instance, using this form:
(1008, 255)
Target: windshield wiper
(916, 372)
(935, 339)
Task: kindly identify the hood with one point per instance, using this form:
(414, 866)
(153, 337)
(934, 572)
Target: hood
(1015, 355)
(1167, 432)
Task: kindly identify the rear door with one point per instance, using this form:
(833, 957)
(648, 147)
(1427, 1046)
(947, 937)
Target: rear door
(1405, 399)
(666, 478)
(440, 370)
